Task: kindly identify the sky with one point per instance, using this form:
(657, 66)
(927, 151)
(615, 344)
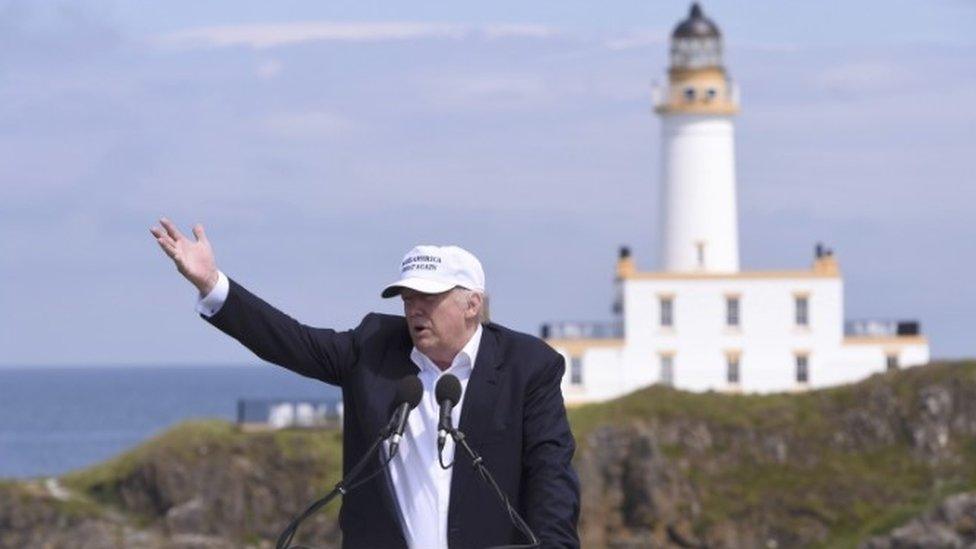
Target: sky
(317, 142)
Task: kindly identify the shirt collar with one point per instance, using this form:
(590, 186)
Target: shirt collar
(464, 360)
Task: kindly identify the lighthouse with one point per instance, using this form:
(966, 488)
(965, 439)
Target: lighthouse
(698, 219)
(700, 322)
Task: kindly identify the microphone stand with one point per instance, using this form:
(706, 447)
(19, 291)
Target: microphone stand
(478, 463)
(342, 487)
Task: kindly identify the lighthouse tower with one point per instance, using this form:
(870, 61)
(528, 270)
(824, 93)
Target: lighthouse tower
(699, 228)
(699, 322)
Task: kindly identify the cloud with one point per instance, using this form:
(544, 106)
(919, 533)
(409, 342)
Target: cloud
(265, 36)
(501, 85)
(268, 69)
(765, 47)
(519, 31)
(486, 92)
(308, 124)
(862, 77)
(53, 34)
(275, 35)
(637, 39)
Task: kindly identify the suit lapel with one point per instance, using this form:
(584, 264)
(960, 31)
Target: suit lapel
(476, 413)
(396, 364)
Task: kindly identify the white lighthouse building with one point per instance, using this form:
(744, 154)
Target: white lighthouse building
(699, 222)
(699, 322)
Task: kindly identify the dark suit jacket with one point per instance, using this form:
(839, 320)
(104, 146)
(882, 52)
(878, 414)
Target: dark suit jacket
(513, 415)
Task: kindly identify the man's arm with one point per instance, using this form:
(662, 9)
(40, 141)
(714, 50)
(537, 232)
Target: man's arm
(269, 333)
(272, 335)
(551, 494)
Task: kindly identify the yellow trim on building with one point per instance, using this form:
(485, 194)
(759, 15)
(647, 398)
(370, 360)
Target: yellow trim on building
(741, 275)
(626, 267)
(700, 81)
(718, 107)
(826, 265)
(887, 340)
(684, 74)
(576, 347)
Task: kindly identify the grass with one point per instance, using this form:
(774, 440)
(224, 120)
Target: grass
(318, 453)
(855, 492)
(183, 442)
(33, 493)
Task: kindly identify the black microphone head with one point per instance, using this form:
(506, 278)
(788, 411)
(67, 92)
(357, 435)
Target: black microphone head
(448, 388)
(409, 390)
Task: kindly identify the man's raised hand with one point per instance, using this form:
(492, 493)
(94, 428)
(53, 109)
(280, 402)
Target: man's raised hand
(194, 260)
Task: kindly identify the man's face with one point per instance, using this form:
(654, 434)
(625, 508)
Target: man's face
(437, 322)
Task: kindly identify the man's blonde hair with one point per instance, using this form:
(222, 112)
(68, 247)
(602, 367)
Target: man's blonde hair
(464, 294)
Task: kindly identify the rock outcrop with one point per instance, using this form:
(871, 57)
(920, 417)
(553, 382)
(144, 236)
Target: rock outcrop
(658, 468)
(951, 525)
(202, 485)
(661, 468)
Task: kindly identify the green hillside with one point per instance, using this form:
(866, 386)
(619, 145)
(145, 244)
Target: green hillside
(658, 467)
(828, 467)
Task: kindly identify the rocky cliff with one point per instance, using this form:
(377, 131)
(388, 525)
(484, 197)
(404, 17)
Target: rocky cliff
(951, 524)
(823, 468)
(199, 485)
(883, 463)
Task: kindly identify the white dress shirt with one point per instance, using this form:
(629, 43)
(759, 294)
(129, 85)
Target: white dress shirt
(422, 488)
(209, 304)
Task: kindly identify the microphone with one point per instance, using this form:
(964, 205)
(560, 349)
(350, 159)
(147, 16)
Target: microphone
(448, 393)
(409, 392)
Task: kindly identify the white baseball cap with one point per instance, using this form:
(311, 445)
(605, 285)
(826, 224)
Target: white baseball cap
(437, 269)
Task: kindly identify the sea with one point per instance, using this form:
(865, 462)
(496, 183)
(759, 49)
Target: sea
(54, 420)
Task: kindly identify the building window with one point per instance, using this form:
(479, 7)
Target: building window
(667, 370)
(710, 94)
(802, 310)
(689, 94)
(700, 251)
(732, 369)
(667, 311)
(732, 311)
(576, 370)
(891, 362)
(802, 369)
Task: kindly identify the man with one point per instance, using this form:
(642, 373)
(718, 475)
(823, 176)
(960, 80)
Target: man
(511, 407)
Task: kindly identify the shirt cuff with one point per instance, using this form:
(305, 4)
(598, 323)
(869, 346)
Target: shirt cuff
(209, 304)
